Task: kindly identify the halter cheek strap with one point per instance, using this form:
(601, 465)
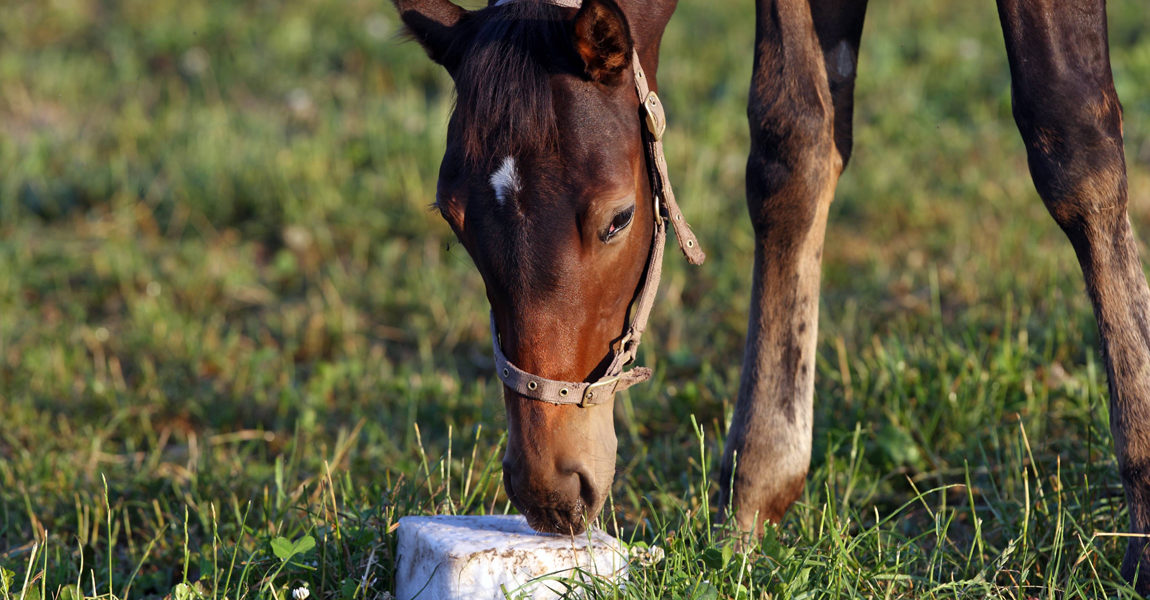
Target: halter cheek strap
(656, 121)
(590, 393)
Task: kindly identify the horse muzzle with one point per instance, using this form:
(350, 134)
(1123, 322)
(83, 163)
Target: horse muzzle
(559, 463)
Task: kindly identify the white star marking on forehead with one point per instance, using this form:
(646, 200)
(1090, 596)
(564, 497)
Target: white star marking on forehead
(505, 180)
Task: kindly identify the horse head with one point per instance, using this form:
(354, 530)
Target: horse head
(545, 181)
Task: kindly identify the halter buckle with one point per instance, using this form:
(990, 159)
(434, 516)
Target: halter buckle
(593, 395)
(654, 115)
(629, 348)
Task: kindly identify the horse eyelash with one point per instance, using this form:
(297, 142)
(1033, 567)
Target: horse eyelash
(609, 233)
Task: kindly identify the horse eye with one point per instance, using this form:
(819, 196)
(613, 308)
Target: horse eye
(619, 223)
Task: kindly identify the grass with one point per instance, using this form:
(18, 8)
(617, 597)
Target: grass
(229, 323)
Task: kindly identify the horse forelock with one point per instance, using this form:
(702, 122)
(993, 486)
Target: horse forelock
(504, 103)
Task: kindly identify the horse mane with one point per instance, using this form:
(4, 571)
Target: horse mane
(503, 93)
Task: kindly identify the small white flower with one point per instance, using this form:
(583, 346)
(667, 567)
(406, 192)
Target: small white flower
(647, 557)
(196, 61)
(300, 593)
(377, 26)
(300, 103)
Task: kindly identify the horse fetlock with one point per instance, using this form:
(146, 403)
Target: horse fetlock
(754, 496)
(1136, 565)
(1134, 470)
(764, 466)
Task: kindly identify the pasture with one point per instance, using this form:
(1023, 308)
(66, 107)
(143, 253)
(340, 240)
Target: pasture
(236, 345)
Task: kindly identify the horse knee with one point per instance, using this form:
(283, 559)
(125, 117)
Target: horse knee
(791, 162)
(1073, 136)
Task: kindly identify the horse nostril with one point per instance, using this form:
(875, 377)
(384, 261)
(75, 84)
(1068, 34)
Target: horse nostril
(587, 490)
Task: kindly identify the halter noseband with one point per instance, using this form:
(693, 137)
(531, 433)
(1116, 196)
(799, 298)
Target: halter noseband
(590, 393)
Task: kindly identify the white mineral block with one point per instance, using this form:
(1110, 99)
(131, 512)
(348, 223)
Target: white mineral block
(449, 558)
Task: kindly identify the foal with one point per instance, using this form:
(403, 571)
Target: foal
(550, 180)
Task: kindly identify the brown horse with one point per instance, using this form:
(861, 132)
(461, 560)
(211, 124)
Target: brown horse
(552, 180)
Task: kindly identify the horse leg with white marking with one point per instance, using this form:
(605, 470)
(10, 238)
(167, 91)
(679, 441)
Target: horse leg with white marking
(800, 115)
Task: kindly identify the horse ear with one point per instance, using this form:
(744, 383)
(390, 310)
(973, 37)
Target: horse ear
(432, 23)
(648, 20)
(603, 40)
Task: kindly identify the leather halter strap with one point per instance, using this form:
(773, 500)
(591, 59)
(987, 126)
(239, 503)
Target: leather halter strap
(590, 393)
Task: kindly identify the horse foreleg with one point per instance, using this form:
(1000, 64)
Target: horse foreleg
(1068, 113)
(801, 78)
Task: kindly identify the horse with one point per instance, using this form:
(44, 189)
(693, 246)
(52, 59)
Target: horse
(553, 181)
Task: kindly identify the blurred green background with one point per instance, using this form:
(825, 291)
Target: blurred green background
(227, 313)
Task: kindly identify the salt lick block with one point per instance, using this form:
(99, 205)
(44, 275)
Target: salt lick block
(449, 558)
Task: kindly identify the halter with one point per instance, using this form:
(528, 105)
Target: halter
(590, 393)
